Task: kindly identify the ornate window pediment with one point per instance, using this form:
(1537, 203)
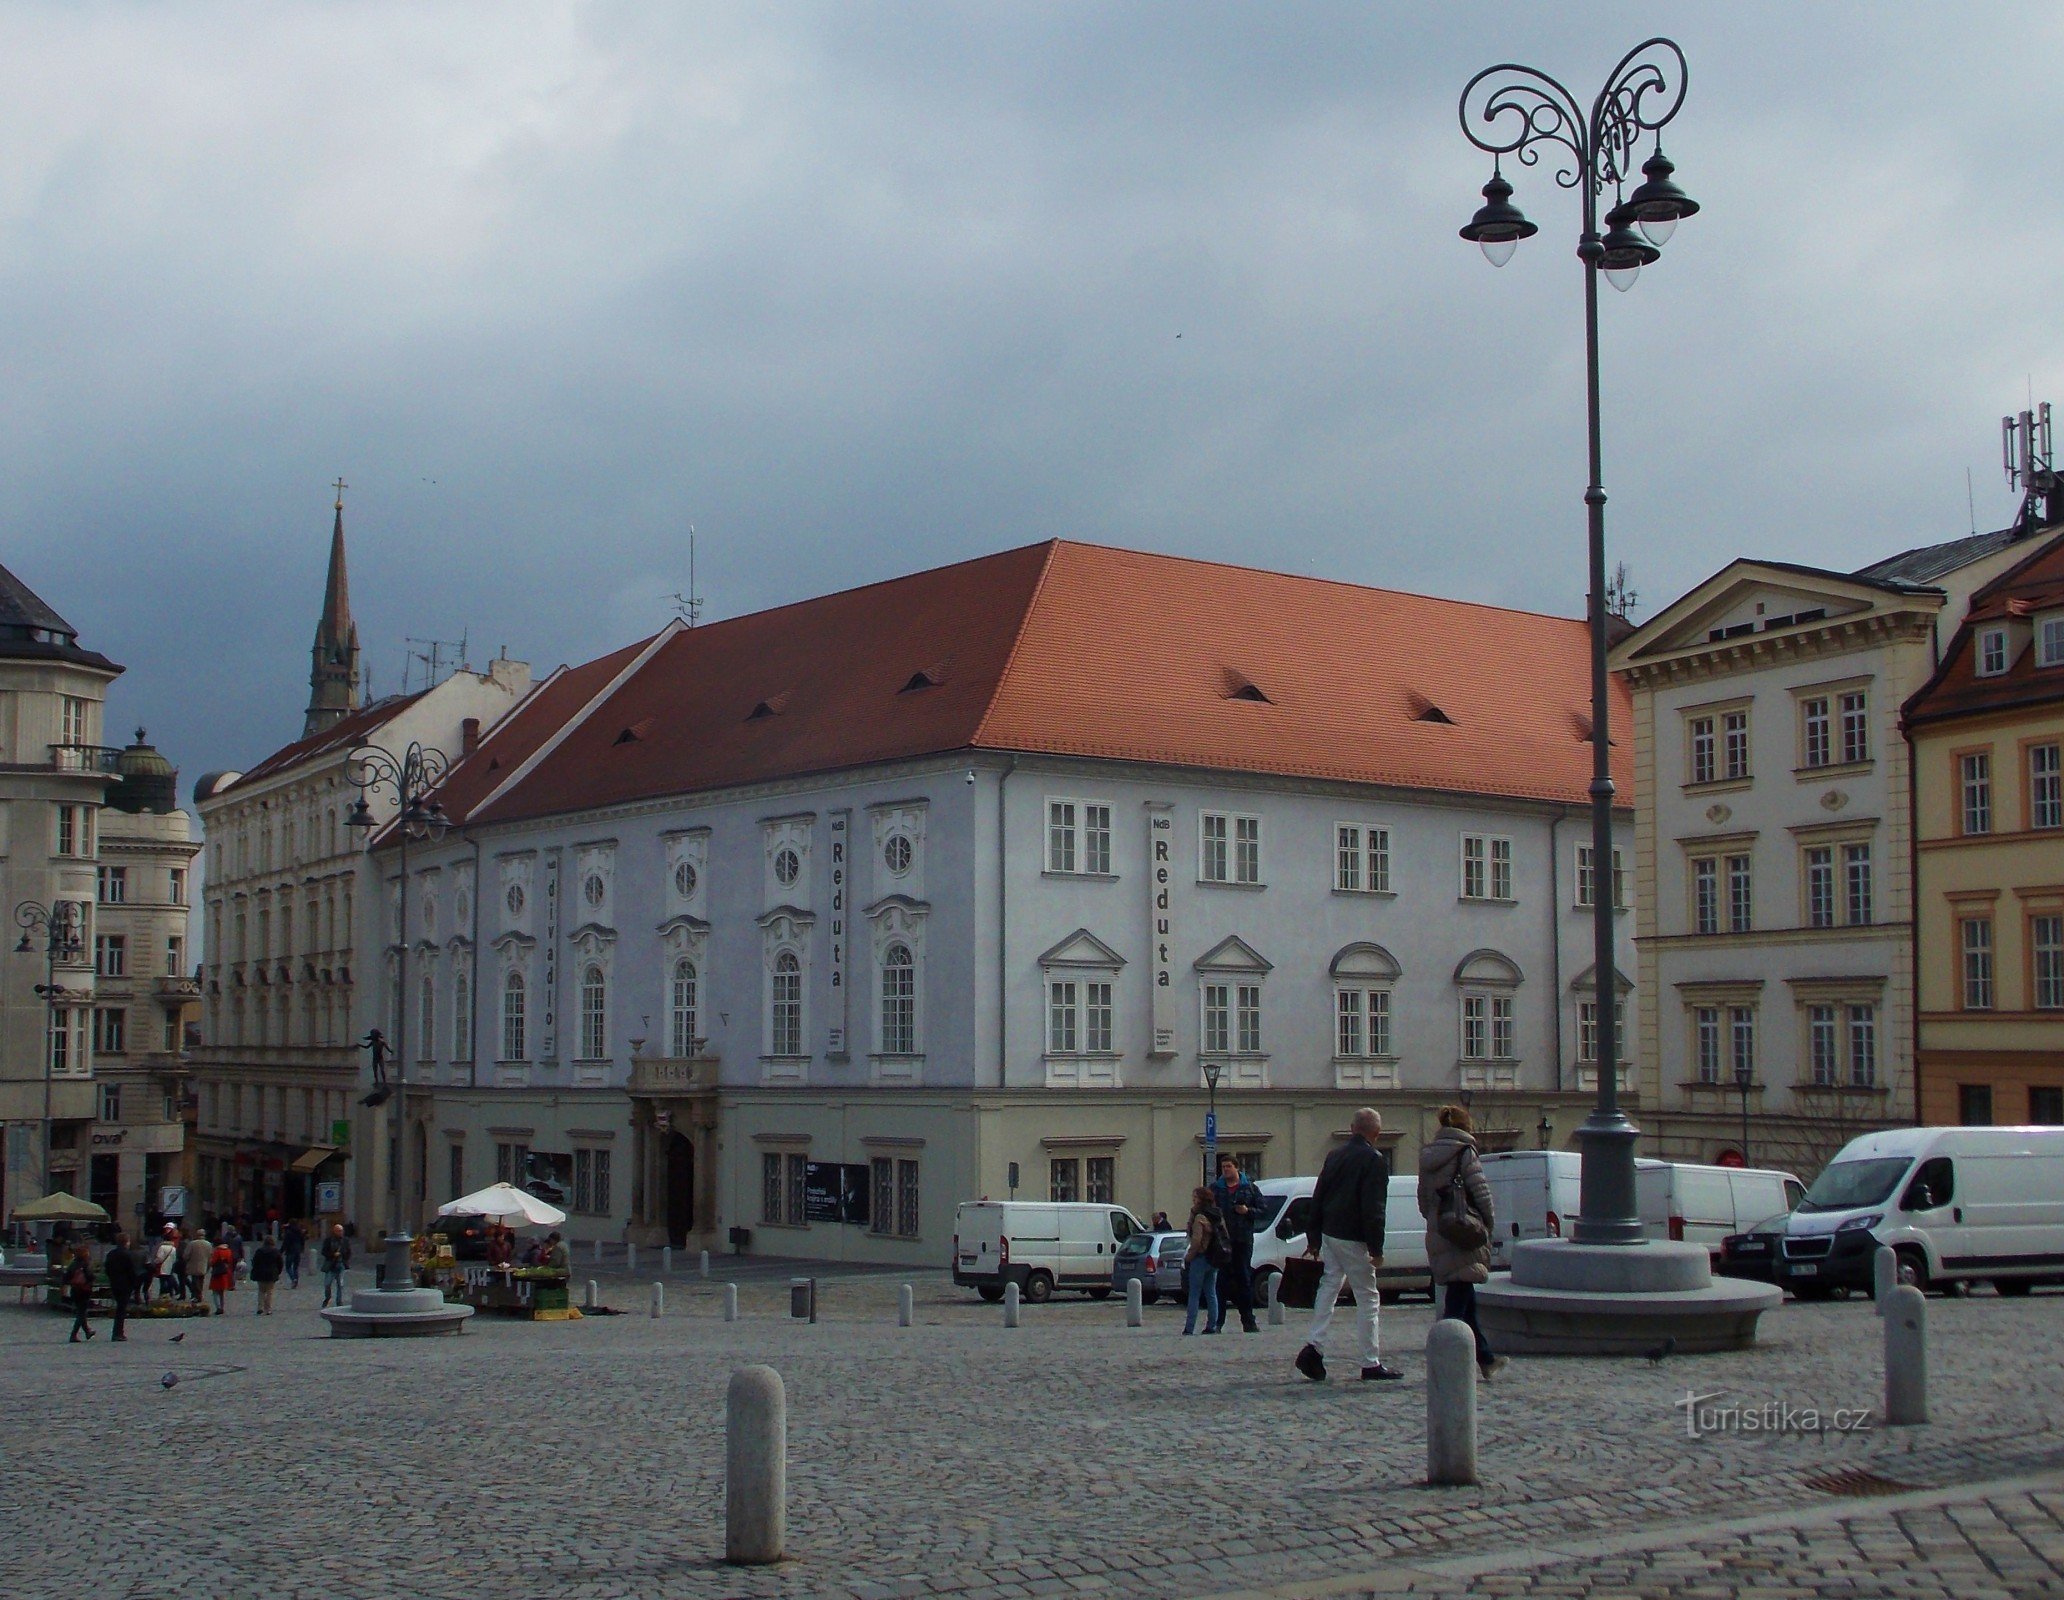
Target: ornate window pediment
(1487, 969)
(1233, 954)
(1587, 981)
(1083, 949)
(1365, 961)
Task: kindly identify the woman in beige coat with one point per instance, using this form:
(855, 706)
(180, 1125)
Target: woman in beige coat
(1453, 1151)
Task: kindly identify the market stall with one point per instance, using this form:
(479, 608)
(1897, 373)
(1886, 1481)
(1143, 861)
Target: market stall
(539, 1291)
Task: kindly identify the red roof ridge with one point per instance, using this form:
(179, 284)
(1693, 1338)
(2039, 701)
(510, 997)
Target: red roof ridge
(1010, 657)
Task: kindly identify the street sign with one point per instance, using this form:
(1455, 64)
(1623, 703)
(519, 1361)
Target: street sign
(1211, 1127)
(329, 1198)
(172, 1200)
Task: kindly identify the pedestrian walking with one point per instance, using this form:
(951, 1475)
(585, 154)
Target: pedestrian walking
(267, 1263)
(79, 1290)
(123, 1274)
(1451, 1186)
(1209, 1248)
(1346, 1234)
(194, 1256)
(221, 1276)
(1239, 1201)
(165, 1263)
(336, 1257)
(292, 1242)
(232, 1241)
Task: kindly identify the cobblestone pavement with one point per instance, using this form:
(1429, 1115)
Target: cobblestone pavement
(1070, 1456)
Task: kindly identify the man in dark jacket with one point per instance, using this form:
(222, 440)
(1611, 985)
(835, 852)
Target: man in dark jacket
(292, 1242)
(266, 1265)
(1346, 1234)
(119, 1264)
(1240, 1203)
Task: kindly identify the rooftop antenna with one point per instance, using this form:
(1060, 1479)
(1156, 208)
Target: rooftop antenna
(2025, 453)
(688, 607)
(439, 658)
(1971, 497)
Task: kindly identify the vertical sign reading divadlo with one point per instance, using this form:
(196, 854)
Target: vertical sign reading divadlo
(841, 833)
(1160, 870)
(548, 1035)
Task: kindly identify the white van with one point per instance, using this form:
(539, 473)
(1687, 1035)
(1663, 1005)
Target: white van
(1039, 1245)
(1705, 1204)
(1957, 1204)
(1279, 1233)
(1535, 1195)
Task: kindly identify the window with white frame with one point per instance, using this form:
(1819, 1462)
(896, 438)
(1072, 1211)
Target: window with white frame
(2045, 787)
(1992, 652)
(1247, 1018)
(1824, 1045)
(1855, 708)
(1096, 1016)
(898, 1001)
(1820, 886)
(1705, 895)
(1587, 1032)
(1734, 741)
(681, 1007)
(1863, 1046)
(1741, 1033)
(1856, 880)
(1228, 848)
(1587, 878)
(1974, 772)
(2049, 648)
(1078, 837)
(110, 1036)
(1487, 1027)
(111, 885)
(72, 715)
(1816, 732)
(1063, 1016)
(1706, 1045)
(1486, 867)
(110, 1103)
(1364, 976)
(178, 886)
(514, 1017)
(1704, 748)
(785, 1006)
(1218, 1019)
(1975, 937)
(1361, 858)
(1740, 895)
(784, 1187)
(2046, 960)
(111, 955)
(895, 1210)
(1096, 856)
(1061, 840)
(594, 1014)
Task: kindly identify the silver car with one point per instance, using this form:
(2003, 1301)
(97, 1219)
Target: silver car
(1156, 1259)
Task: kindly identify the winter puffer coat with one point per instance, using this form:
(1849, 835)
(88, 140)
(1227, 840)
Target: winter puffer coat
(1438, 1161)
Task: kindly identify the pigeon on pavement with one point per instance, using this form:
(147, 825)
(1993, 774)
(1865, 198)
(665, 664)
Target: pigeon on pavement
(1662, 1352)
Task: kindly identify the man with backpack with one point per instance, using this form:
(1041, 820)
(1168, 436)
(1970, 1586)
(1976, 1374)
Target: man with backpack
(1347, 1220)
(1239, 1202)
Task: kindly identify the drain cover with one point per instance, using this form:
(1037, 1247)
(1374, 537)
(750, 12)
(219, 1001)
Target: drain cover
(1855, 1481)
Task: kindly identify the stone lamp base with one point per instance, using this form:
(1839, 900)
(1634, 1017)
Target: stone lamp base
(1566, 1298)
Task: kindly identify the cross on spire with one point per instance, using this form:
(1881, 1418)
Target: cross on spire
(340, 487)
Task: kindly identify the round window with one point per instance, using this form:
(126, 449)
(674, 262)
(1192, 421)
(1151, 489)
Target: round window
(594, 888)
(788, 866)
(685, 880)
(896, 854)
(515, 899)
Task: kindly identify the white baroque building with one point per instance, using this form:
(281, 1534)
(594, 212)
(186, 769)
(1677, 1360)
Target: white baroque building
(816, 922)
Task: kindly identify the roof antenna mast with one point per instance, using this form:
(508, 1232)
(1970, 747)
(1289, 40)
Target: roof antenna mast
(2025, 453)
(688, 607)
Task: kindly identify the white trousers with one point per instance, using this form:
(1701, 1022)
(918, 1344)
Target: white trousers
(1346, 1260)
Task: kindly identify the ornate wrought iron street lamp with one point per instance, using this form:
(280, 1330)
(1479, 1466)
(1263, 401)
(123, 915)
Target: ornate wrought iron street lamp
(1510, 110)
(410, 778)
(59, 924)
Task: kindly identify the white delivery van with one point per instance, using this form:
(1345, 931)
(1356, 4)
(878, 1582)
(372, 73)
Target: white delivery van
(1957, 1204)
(1039, 1245)
(1286, 1213)
(1704, 1205)
(1536, 1193)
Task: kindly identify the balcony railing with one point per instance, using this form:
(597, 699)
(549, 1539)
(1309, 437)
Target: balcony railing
(86, 757)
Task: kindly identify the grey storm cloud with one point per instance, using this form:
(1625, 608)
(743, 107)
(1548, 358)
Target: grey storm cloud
(856, 289)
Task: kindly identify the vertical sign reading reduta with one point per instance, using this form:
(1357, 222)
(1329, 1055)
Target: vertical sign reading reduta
(1160, 871)
(841, 835)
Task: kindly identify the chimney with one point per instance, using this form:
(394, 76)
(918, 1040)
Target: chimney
(469, 737)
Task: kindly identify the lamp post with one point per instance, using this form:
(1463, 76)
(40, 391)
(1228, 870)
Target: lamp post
(1212, 1072)
(1524, 114)
(410, 778)
(1744, 1080)
(63, 944)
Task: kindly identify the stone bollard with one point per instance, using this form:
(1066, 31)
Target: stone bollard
(1450, 1403)
(630, 1258)
(1275, 1300)
(730, 1302)
(659, 1299)
(1135, 1304)
(666, 1259)
(906, 1306)
(1906, 1357)
(1011, 1298)
(594, 1295)
(755, 1467)
(802, 1299)
(702, 1266)
(1884, 1274)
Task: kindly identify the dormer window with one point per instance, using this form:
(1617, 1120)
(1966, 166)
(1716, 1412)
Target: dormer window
(2049, 650)
(1992, 652)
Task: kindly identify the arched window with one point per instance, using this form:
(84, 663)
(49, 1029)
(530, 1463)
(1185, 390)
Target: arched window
(898, 1002)
(683, 1008)
(462, 1014)
(426, 1022)
(594, 1015)
(785, 1034)
(513, 999)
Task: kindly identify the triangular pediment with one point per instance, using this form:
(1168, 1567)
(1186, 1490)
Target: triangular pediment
(1233, 954)
(1082, 949)
(1746, 598)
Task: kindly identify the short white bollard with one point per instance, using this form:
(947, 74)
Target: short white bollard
(1884, 1274)
(906, 1306)
(1010, 1305)
(1135, 1303)
(1275, 1300)
(630, 1258)
(702, 1266)
(1450, 1403)
(594, 1294)
(659, 1299)
(755, 1467)
(730, 1302)
(666, 1259)
(1906, 1357)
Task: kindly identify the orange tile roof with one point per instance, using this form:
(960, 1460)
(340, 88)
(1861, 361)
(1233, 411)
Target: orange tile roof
(345, 732)
(1075, 649)
(2035, 584)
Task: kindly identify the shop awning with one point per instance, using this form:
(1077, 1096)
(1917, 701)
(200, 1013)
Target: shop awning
(311, 1158)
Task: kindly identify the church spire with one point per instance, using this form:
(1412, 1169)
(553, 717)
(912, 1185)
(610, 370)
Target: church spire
(333, 678)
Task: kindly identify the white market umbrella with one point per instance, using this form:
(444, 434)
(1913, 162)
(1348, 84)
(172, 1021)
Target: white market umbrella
(504, 1202)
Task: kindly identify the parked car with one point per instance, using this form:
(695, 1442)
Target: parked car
(1956, 1204)
(1155, 1257)
(1039, 1245)
(1752, 1253)
(1286, 1214)
(1705, 1205)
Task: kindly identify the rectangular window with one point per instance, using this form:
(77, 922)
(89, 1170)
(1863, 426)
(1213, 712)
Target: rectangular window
(1362, 1022)
(1060, 1012)
(2045, 1105)
(1705, 896)
(1063, 1179)
(1977, 948)
(1741, 1027)
(1740, 902)
(1820, 887)
(906, 1199)
(1816, 731)
(1347, 1039)
(110, 1103)
(1992, 652)
(798, 1188)
(603, 1197)
(67, 830)
(2046, 957)
(2045, 787)
(1347, 857)
(111, 955)
(1501, 869)
(1704, 751)
(1587, 1031)
(1587, 878)
(1100, 1173)
(1734, 728)
(2050, 643)
(1474, 852)
(1213, 866)
(1863, 1046)
(110, 1030)
(1217, 1019)
(72, 718)
(583, 1181)
(111, 885)
(455, 1168)
(1976, 775)
(881, 1214)
(1823, 1047)
(1060, 836)
(1502, 1047)
(178, 890)
(1096, 839)
(1856, 726)
(1096, 1017)
(1379, 1024)
(770, 1187)
(1974, 1105)
(175, 956)
(1247, 849)
(1249, 1019)
(1476, 1027)
(1856, 878)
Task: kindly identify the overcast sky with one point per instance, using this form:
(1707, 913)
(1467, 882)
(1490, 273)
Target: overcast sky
(860, 289)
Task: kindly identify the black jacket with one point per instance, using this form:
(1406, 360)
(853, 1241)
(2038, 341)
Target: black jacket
(1353, 1188)
(266, 1263)
(120, 1267)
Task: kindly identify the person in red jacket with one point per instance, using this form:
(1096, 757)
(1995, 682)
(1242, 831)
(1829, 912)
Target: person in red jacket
(221, 1276)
